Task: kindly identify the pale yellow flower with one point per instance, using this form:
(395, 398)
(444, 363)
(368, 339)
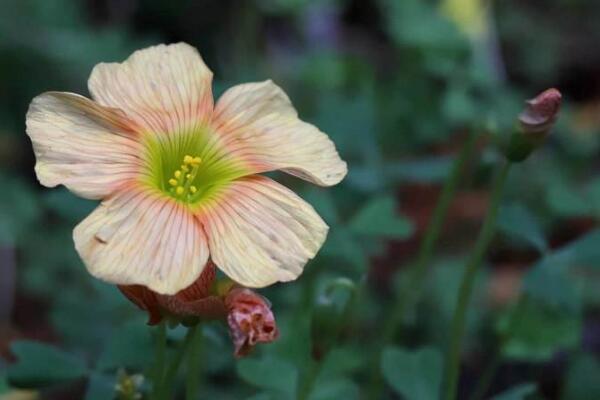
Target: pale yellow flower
(177, 174)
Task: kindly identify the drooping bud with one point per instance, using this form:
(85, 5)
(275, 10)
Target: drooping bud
(534, 125)
(192, 303)
(250, 320)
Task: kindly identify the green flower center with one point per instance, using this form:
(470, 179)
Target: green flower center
(188, 166)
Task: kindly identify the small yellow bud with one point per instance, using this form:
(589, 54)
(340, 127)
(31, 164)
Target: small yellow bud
(177, 174)
(193, 189)
(188, 159)
(173, 182)
(184, 168)
(189, 176)
(179, 190)
(196, 160)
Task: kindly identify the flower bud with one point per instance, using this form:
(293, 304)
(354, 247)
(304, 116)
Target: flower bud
(535, 123)
(541, 113)
(250, 320)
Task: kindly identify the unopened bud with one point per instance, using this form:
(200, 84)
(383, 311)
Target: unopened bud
(535, 123)
(250, 320)
(541, 113)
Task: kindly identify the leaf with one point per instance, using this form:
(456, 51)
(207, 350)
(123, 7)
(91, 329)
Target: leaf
(584, 251)
(565, 201)
(129, 346)
(100, 387)
(517, 221)
(582, 379)
(422, 170)
(40, 365)
(269, 374)
(416, 375)
(536, 332)
(519, 392)
(379, 218)
(335, 389)
(550, 283)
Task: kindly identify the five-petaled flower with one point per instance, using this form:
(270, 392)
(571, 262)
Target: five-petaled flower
(178, 174)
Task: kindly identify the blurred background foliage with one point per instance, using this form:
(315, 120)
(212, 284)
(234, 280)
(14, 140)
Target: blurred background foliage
(398, 85)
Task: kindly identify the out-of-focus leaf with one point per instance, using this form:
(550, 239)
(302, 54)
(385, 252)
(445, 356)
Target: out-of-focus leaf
(416, 375)
(565, 200)
(517, 221)
(100, 387)
(341, 243)
(379, 218)
(130, 346)
(550, 283)
(66, 205)
(582, 379)
(3, 384)
(40, 365)
(271, 374)
(519, 392)
(335, 389)
(340, 361)
(427, 169)
(536, 332)
(584, 251)
(19, 208)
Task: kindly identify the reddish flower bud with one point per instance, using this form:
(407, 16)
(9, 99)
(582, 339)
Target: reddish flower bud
(250, 320)
(194, 301)
(541, 112)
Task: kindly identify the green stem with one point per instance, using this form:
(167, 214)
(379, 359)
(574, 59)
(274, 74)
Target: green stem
(410, 292)
(193, 367)
(159, 359)
(458, 322)
(173, 367)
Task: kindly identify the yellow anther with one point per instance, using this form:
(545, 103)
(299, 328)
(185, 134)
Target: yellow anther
(196, 161)
(177, 174)
(179, 190)
(173, 182)
(184, 168)
(193, 189)
(188, 176)
(188, 159)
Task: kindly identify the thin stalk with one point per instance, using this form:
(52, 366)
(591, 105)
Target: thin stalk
(193, 367)
(458, 322)
(158, 370)
(173, 367)
(411, 290)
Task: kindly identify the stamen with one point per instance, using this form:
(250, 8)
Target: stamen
(184, 177)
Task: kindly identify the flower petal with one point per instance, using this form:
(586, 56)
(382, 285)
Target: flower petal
(164, 88)
(86, 147)
(260, 232)
(259, 123)
(139, 237)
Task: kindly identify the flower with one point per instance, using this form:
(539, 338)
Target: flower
(178, 175)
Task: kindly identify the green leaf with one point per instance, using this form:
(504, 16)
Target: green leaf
(335, 389)
(100, 387)
(566, 201)
(416, 375)
(519, 392)
(582, 379)
(425, 169)
(269, 374)
(536, 331)
(584, 251)
(40, 365)
(379, 218)
(130, 346)
(517, 221)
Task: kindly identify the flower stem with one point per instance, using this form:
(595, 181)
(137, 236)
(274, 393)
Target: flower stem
(458, 322)
(193, 367)
(411, 290)
(159, 360)
(171, 371)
